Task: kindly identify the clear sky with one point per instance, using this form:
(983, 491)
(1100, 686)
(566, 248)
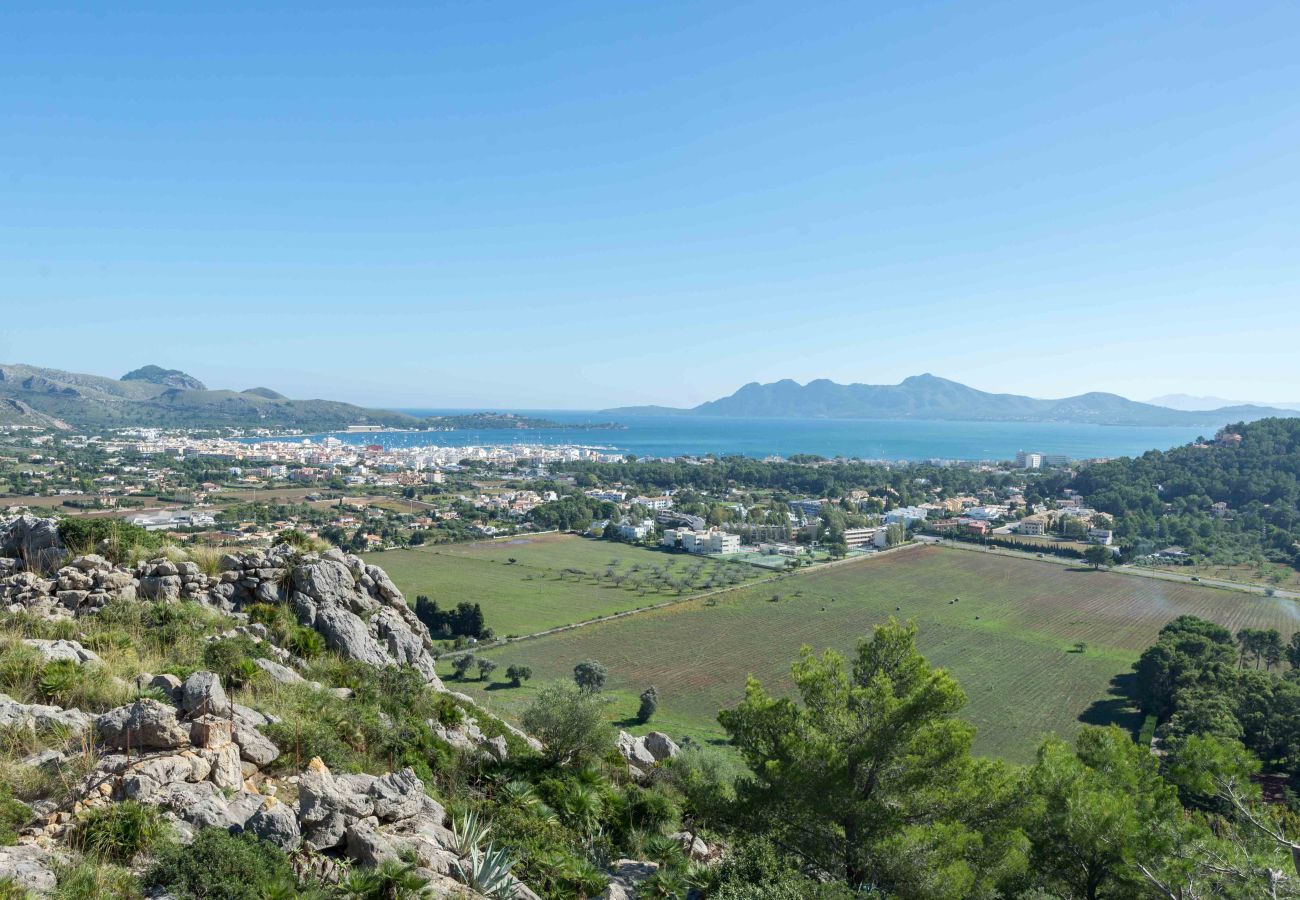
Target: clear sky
(552, 205)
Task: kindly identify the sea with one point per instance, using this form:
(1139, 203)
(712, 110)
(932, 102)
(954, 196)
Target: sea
(869, 439)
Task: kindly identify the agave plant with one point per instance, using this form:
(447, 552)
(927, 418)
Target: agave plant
(488, 872)
(468, 832)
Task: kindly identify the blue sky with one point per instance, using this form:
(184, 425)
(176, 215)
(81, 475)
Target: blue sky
(590, 204)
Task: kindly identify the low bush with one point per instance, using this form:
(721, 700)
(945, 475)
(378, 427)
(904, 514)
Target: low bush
(119, 832)
(221, 866)
(13, 815)
(92, 879)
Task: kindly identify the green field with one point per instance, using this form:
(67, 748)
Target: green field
(1008, 640)
(542, 589)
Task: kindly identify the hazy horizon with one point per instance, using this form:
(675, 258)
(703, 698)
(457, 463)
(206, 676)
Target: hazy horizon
(583, 206)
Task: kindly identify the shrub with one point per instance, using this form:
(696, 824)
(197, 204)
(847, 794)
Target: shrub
(119, 832)
(92, 880)
(570, 723)
(232, 659)
(649, 703)
(221, 866)
(590, 675)
(277, 617)
(519, 674)
(305, 642)
(115, 539)
(485, 668)
(462, 664)
(13, 815)
(392, 880)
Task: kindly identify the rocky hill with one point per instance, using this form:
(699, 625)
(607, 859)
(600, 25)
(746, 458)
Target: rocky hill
(155, 709)
(168, 398)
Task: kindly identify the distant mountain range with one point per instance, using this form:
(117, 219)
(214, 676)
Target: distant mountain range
(930, 397)
(1189, 402)
(167, 398)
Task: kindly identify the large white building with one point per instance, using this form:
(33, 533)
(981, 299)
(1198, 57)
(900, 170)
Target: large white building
(1029, 459)
(860, 537)
(712, 541)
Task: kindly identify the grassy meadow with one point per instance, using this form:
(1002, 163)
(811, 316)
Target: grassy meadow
(1009, 640)
(554, 579)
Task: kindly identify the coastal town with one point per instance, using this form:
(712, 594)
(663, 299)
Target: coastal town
(240, 489)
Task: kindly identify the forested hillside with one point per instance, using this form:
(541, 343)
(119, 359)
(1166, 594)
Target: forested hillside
(1170, 497)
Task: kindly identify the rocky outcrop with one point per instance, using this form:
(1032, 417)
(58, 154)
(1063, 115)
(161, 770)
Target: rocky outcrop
(41, 718)
(29, 867)
(33, 542)
(64, 651)
(373, 818)
(643, 752)
(354, 606)
(143, 725)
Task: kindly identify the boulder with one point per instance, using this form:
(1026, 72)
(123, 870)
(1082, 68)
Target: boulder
(634, 750)
(202, 805)
(254, 747)
(327, 806)
(29, 867)
(660, 745)
(625, 876)
(226, 771)
(397, 795)
(202, 694)
(166, 588)
(278, 673)
(70, 651)
(275, 822)
(345, 632)
(146, 777)
(32, 541)
(692, 845)
(39, 717)
(143, 725)
(170, 686)
(366, 845)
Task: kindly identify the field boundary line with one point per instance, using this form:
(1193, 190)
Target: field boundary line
(676, 601)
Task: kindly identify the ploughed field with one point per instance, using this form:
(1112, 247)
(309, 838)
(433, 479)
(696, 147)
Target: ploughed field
(1009, 640)
(554, 579)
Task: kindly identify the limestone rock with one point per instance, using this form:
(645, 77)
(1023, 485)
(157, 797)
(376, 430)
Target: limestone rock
(625, 875)
(278, 673)
(71, 651)
(40, 717)
(660, 745)
(202, 693)
(33, 542)
(146, 724)
(30, 867)
(166, 588)
(634, 750)
(274, 821)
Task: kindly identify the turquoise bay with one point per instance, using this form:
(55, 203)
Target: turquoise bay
(880, 439)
